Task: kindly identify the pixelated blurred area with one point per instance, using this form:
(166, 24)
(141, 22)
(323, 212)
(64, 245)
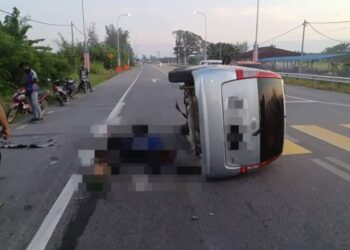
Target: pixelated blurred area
(138, 158)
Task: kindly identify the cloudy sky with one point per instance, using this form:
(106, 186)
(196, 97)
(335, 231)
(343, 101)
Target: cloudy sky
(152, 21)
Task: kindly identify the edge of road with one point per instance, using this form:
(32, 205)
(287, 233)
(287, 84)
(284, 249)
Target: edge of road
(48, 225)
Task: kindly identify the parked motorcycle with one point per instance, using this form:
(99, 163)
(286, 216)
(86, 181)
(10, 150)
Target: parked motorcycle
(60, 92)
(20, 103)
(83, 83)
(71, 87)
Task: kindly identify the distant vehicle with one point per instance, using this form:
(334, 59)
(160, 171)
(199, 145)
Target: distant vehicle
(210, 62)
(252, 64)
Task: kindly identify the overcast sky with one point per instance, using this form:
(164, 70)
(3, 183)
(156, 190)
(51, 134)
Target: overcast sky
(152, 21)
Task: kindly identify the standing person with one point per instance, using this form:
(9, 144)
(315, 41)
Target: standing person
(32, 88)
(84, 72)
(5, 132)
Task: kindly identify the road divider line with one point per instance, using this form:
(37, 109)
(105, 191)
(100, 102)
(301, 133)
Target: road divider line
(325, 135)
(114, 116)
(346, 125)
(332, 169)
(291, 148)
(300, 101)
(339, 163)
(295, 97)
(315, 101)
(47, 227)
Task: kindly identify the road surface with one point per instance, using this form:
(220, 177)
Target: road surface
(300, 201)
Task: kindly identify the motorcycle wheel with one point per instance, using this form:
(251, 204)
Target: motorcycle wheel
(59, 99)
(84, 87)
(11, 115)
(43, 106)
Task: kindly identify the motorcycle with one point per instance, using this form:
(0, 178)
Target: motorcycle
(71, 87)
(20, 103)
(60, 92)
(83, 83)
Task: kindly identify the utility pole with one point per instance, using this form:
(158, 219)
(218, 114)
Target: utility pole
(185, 62)
(256, 50)
(220, 52)
(86, 51)
(302, 48)
(73, 47)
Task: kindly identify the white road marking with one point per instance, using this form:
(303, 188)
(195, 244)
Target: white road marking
(47, 227)
(114, 116)
(43, 235)
(295, 97)
(105, 104)
(331, 169)
(315, 101)
(300, 101)
(338, 162)
(21, 127)
(50, 112)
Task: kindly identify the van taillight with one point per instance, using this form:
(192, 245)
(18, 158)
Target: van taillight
(245, 74)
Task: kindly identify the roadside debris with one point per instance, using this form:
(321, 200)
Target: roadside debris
(53, 160)
(79, 199)
(47, 144)
(27, 207)
(195, 217)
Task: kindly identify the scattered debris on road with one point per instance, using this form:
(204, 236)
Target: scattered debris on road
(27, 207)
(47, 144)
(211, 214)
(53, 160)
(195, 217)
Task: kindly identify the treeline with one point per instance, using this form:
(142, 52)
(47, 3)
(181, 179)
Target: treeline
(16, 47)
(190, 45)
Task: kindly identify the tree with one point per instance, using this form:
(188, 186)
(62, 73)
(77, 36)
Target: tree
(15, 47)
(339, 48)
(92, 36)
(188, 43)
(218, 50)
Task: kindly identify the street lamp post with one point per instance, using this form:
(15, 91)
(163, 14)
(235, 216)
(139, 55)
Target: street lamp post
(205, 32)
(118, 50)
(256, 52)
(86, 51)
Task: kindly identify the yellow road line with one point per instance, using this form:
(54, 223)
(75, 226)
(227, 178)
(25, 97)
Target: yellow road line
(291, 148)
(325, 135)
(346, 125)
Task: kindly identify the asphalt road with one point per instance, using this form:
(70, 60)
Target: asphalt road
(300, 201)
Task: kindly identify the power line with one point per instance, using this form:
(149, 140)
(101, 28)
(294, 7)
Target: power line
(75, 27)
(337, 22)
(328, 37)
(36, 21)
(283, 34)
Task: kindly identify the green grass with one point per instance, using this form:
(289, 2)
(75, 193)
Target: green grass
(336, 87)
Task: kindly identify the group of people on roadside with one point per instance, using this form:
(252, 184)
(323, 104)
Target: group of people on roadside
(32, 88)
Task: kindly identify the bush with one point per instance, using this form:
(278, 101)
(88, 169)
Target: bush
(97, 68)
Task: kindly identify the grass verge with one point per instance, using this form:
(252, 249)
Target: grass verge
(331, 86)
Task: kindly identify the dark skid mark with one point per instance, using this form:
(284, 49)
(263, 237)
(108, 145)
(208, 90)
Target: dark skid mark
(77, 225)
